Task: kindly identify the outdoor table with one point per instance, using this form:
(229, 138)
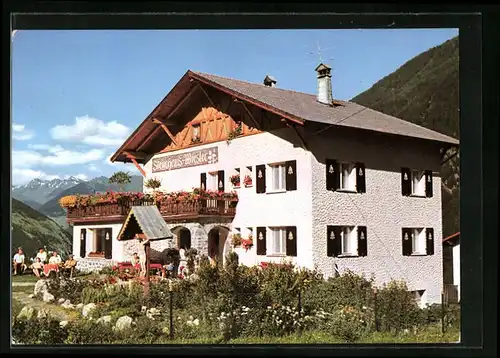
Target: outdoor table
(50, 267)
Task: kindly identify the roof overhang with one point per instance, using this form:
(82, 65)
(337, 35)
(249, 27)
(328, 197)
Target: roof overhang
(169, 104)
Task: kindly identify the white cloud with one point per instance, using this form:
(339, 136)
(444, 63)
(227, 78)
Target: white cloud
(23, 176)
(93, 168)
(58, 157)
(78, 176)
(92, 131)
(19, 132)
(38, 146)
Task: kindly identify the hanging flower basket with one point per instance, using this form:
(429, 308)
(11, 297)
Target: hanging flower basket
(235, 180)
(247, 181)
(236, 240)
(247, 243)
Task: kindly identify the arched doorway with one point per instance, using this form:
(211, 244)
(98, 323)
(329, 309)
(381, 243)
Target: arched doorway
(184, 238)
(218, 244)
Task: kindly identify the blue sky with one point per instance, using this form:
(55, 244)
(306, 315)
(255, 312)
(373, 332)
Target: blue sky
(77, 95)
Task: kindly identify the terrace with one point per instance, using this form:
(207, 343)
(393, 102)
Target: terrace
(114, 207)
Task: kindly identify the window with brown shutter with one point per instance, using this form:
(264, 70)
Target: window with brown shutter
(362, 241)
(291, 241)
(83, 243)
(429, 239)
(203, 181)
(360, 178)
(428, 183)
(406, 181)
(260, 178)
(333, 241)
(332, 175)
(291, 175)
(220, 180)
(407, 241)
(261, 240)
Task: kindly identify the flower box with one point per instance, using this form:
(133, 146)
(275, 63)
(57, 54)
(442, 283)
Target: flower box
(235, 180)
(247, 181)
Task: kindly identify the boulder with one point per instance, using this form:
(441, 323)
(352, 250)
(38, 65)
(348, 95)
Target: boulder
(63, 324)
(68, 305)
(48, 297)
(26, 312)
(79, 306)
(41, 286)
(88, 309)
(31, 296)
(42, 314)
(123, 322)
(61, 300)
(104, 319)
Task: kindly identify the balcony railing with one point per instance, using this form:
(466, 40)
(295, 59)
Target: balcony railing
(168, 208)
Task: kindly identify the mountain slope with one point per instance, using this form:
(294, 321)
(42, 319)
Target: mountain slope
(32, 230)
(424, 91)
(40, 191)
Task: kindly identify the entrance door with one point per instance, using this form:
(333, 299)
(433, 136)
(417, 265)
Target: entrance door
(213, 244)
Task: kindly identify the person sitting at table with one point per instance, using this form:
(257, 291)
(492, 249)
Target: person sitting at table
(69, 264)
(55, 258)
(18, 262)
(42, 254)
(37, 267)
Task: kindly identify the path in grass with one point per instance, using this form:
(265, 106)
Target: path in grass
(21, 295)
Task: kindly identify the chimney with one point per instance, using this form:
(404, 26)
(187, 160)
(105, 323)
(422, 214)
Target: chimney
(269, 81)
(324, 94)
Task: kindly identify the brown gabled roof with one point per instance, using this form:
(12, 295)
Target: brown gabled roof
(296, 106)
(149, 221)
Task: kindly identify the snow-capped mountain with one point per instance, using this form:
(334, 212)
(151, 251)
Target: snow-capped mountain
(40, 191)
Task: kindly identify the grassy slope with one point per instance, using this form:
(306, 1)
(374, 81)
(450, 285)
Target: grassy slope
(32, 230)
(424, 91)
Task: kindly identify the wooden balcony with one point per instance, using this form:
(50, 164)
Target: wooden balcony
(170, 210)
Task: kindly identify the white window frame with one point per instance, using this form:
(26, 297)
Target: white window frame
(351, 176)
(417, 182)
(349, 241)
(281, 187)
(212, 181)
(418, 241)
(277, 233)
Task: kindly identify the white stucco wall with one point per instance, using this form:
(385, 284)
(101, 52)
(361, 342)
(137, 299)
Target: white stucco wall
(117, 248)
(456, 267)
(292, 208)
(382, 209)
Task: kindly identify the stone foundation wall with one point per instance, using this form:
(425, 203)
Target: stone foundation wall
(90, 264)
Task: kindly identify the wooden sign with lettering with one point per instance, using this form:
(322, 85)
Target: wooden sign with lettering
(185, 160)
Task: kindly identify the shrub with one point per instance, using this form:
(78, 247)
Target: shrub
(89, 332)
(350, 323)
(396, 308)
(93, 295)
(38, 331)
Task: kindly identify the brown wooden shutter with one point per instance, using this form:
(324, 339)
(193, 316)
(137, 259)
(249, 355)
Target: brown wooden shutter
(291, 175)
(333, 241)
(203, 181)
(405, 181)
(260, 178)
(108, 243)
(360, 178)
(261, 240)
(429, 240)
(428, 183)
(83, 243)
(291, 241)
(362, 241)
(407, 241)
(220, 180)
(332, 175)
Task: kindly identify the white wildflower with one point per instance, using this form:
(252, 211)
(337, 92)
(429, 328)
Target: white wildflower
(196, 322)
(268, 307)
(189, 323)
(191, 318)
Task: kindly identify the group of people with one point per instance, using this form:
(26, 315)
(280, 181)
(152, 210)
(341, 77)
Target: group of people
(42, 264)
